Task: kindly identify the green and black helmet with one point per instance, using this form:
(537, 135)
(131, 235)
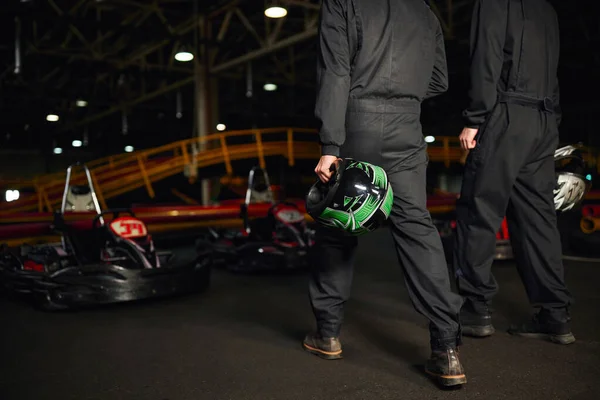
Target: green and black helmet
(357, 199)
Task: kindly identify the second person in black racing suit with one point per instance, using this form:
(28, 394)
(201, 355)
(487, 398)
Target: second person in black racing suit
(377, 61)
(512, 133)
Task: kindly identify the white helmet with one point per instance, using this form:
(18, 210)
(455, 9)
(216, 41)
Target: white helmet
(572, 184)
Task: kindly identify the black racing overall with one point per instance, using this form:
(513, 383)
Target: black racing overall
(377, 61)
(514, 101)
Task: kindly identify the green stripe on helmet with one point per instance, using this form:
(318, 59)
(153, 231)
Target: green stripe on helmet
(388, 202)
(379, 177)
(367, 209)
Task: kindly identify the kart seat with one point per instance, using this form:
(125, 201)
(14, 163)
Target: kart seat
(261, 196)
(79, 199)
(262, 228)
(80, 190)
(85, 244)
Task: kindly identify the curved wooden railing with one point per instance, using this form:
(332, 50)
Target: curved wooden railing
(118, 174)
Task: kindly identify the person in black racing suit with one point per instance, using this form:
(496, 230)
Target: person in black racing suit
(512, 132)
(377, 61)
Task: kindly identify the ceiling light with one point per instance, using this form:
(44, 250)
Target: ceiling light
(128, 149)
(57, 150)
(52, 117)
(221, 127)
(429, 139)
(275, 12)
(270, 87)
(76, 143)
(184, 56)
(81, 103)
(12, 195)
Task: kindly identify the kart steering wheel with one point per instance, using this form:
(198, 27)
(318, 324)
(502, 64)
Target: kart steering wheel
(115, 213)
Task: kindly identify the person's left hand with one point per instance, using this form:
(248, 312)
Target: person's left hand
(323, 168)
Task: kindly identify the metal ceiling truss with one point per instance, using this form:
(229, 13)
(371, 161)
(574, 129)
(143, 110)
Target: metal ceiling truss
(121, 52)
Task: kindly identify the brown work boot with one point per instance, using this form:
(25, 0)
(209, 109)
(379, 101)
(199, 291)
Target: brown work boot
(445, 366)
(327, 348)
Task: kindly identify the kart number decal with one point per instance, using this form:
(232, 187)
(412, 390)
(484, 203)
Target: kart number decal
(129, 227)
(290, 216)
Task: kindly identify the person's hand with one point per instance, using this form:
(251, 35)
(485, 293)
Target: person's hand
(467, 138)
(322, 169)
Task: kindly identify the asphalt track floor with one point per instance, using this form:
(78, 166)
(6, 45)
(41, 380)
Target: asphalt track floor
(241, 340)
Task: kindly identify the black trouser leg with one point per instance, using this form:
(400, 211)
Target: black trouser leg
(513, 162)
(490, 172)
(420, 252)
(535, 238)
(331, 278)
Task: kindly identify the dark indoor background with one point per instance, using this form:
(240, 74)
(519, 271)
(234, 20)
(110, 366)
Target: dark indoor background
(114, 53)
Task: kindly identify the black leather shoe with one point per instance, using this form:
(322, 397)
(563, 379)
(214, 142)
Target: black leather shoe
(476, 323)
(446, 367)
(544, 328)
(326, 348)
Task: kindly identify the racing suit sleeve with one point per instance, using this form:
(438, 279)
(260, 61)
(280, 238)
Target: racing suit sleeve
(439, 78)
(333, 76)
(488, 33)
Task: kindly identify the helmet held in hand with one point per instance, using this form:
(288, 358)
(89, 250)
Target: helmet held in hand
(357, 199)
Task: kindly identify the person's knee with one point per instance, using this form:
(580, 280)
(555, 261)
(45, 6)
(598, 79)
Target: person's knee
(421, 229)
(416, 217)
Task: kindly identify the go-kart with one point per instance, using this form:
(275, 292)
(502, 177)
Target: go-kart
(107, 262)
(279, 241)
